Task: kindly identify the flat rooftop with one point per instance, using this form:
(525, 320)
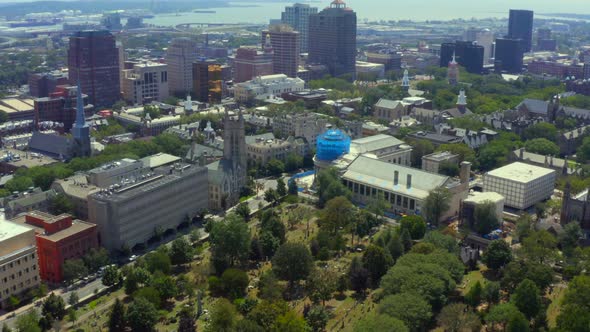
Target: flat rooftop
(520, 172)
(10, 229)
(77, 226)
(440, 156)
(24, 159)
(479, 197)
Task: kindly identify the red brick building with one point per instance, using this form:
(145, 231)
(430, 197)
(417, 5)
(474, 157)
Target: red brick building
(59, 238)
(251, 62)
(60, 107)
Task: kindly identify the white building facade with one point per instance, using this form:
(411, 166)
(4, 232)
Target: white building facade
(266, 87)
(146, 82)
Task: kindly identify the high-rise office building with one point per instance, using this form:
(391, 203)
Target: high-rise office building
(146, 82)
(207, 81)
(467, 53)
(180, 56)
(520, 26)
(297, 17)
(332, 39)
(544, 40)
(484, 38)
(509, 54)
(93, 61)
(286, 48)
(250, 62)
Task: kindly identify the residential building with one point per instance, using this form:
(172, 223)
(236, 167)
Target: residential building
(250, 62)
(58, 239)
(297, 16)
(180, 55)
(267, 87)
(19, 271)
(467, 53)
(509, 55)
(146, 82)
(306, 125)
(286, 49)
(520, 26)
(207, 81)
(60, 106)
(228, 176)
(522, 185)
(332, 39)
(93, 63)
(433, 162)
(403, 188)
(130, 213)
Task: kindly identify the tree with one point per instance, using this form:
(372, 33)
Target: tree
(541, 130)
(159, 260)
(321, 284)
(442, 241)
(166, 287)
(187, 321)
(142, 315)
(223, 317)
(336, 214)
(290, 322)
(293, 162)
(527, 299)
(473, 296)
(95, 259)
(540, 247)
(234, 282)
(271, 196)
(377, 262)
(358, 276)
(292, 188)
(380, 323)
(485, 217)
(569, 239)
(518, 323)
(19, 183)
(330, 186)
(436, 204)
(5, 328)
(269, 287)
(411, 309)
(281, 187)
(420, 148)
(28, 322)
(317, 318)
(415, 225)
(406, 239)
(542, 146)
(292, 262)
(111, 276)
(463, 150)
(449, 168)
(54, 306)
(117, 317)
(60, 204)
(150, 294)
(502, 314)
(243, 210)
(137, 277)
(181, 252)
(230, 242)
(275, 167)
(3, 117)
(72, 315)
(13, 302)
(73, 299)
(456, 317)
(497, 255)
(491, 292)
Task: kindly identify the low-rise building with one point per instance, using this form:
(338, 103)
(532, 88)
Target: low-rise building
(432, 162)
(263, 148)
(267, 87)
(18, 109)
(306, 125)
(522, 185)
(30, 200)
(58, 239)
(369, 71)
(19, 270)
(476, 199)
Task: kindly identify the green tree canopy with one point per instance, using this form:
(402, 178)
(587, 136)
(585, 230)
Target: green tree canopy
(380, 322)
(498, 254)
(436, 204)
(410, 308)
(230, 242)
(542, 146)
(292, 262)
(142, 315)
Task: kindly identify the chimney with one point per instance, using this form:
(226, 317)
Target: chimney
(395, 178)
(409, 181)
(465, 172)
(521, 153)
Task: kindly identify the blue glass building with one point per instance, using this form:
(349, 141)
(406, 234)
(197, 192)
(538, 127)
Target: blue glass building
(332, 144)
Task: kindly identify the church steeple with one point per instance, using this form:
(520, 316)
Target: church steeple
(268, 44)
(81, 129)
(406, 81)
(80, 117)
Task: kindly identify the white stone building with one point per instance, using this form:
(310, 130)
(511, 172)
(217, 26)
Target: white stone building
(146, 82)
(267, 87)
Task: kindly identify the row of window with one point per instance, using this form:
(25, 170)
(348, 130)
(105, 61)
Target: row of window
(20, 274)
(16, 262)
(395, 200)
(21, 285)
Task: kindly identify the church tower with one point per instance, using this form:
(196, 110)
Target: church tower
(81, 130)
(453, 71)
(406, 81)
(462, 102)
(234, 141)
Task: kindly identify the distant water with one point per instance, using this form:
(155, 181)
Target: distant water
(417, 10)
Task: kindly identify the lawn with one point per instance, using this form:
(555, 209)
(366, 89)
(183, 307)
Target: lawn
(469, 280)
(554, 308)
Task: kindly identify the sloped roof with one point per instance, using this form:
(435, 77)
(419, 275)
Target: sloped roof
(387, 103)
(534, 106)
(52, 145)
(374, 143)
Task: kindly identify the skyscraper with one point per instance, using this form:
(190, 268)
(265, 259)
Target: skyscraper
(93, 62)
(80, 130)
(467, 53)
(509, 54)
(332, 39)
(180, 56)
(297, 17)
(520, 26)
(207, 81)
(285, 45)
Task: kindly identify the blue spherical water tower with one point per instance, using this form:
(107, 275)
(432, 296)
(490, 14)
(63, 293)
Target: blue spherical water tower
(332, 144)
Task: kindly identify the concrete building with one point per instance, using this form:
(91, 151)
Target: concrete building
(476, 199)
(286, 49)
(306, 125)
(19, 271)
(250, 62)
(146, 82)
(297, 17)
(522, 185)
(383, 147)
(332, 39)
(432, 162)
(180, 56)
(263, 148)
(93, 63)
(267, 87)
(128, 214)
(404, 188)
(369, 71)
(58, 238)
